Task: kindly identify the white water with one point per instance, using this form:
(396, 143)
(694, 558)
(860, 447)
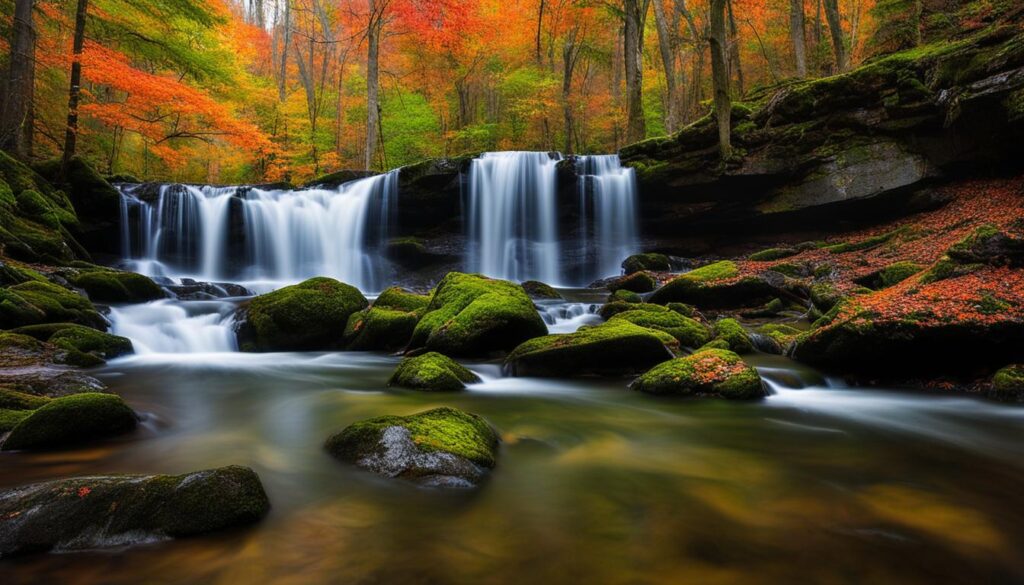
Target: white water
(611, 190)
(174, 327)
(563, 317)
(280, 236)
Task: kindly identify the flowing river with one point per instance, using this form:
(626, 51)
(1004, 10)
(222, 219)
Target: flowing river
(819, 483)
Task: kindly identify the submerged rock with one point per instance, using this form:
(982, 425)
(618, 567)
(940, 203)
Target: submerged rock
(308, 316)
(471, 315)
(615, 348)
(716, 373)
(72, 421)
(118, 510)
(432, 372)
(443, 447)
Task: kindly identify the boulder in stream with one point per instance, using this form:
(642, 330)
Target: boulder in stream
(717, 373)
(118, 510)
(432, 372)
(72, 421)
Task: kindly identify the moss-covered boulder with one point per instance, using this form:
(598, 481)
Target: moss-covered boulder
(689, 332)
(432, 372)
(109, 286)
(770, 254)
(443, 447)
(471, 315)
(989, 245)
(379, 329)
(35, 218)
(72, 421)
(637, 282)
(715, 373)
(1008, 383)
(890, 275)
(32, 366)
(612, 308)
(80, 338)
(649, 261)
(615, 348)
(734, 334)
(117, 510)
(308, 316)
(625, 296)
(17, 406)
(715, 285)
(538, 290)
(776, 337)
(35, 302)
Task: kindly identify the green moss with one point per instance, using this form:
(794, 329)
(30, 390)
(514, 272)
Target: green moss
(118, 287)
(610, 309)
(990, 305)
(734, 334)
(682, 308)
(712, 372)
(714, 344)
(649, 261)
(14, 400)
(379, 328)
(72, 420)
(890, 275)
(91, 194)
(441, 430)
(689, 332)
(638, 282)
(789, 269)
(865, 244)
(1008, 382)
(86, 340)
(400, 299)
(11, 274)
(311, 315)
(35, 302)
(715, 285)
(770, 309)
(10, 418)
(946, 268)
(780, 333)
(472, 315)
(773, 254)
(539, 290)
(614, 348)
(432, 372)
(711, 272)
(825, 296)
(625, 296)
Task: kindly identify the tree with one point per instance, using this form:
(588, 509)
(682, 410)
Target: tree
(835, 29)
(735, 66)
(796, 35)
(374, 28)
(635, 14)
(720, 76)
(16, 120)
(668, 46)
(71, 135)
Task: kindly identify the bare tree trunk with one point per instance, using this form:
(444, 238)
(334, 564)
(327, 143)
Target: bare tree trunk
(540, 23)
(570, 52)
(835, 29)
(635, 14)
(696, 89)
(734, 51)
(16, 122)
(282, 78)
(71, 136)
(261, 19)
(720, 76)
(373, 32)
(667, 48)
(796, 34)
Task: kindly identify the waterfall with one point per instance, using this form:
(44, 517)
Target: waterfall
(511, 216)
(254, 234)
(612, 197)
(169, 326)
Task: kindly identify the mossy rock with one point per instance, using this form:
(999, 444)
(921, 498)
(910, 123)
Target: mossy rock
(410, 252)
(11, 274)
(683, 309)
(1008, 383)
(308, 316)
(625, 296)
(115, 510)
(791, 270)
(10, 418)
(637, 282)
(770, 254)
(379, 329)
(649, 261)
(13, 400)
(770, 309)
(689, 332)
(612, 308)
(718, 343)
(432, 372)
(615, 348)
(80, 338)
(734, 334)
(946, 268)
(538, 290)
(118, 287)
(398, 298)
(443, 447)
(73, 421)
(472, 315)
(780, 336)
(715, 373)
(34, 302)
(91, 194)
(988, 245)
(890, 275)
(825, 296)
(715, 285)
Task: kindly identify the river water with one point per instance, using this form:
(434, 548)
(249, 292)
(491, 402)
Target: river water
(819, 483)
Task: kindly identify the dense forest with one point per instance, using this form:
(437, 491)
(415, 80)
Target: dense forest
(262, 90)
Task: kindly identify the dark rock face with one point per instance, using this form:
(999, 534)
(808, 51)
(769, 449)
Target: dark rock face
(118, 510)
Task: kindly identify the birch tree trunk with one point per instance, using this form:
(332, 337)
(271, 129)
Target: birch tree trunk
(720, 76)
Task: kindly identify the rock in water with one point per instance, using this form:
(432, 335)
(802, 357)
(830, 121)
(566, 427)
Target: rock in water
(71, 421)
(443, 447)
(116, 510)
(717, 373)
(432, 372)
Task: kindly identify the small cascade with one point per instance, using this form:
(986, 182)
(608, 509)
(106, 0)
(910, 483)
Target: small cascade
(169, 326)
(511, 216)
(567, 317)
(609, 231)
(252, 234)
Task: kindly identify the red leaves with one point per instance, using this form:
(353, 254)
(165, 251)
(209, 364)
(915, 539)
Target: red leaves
(84, 491)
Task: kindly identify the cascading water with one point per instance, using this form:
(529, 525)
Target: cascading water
(177, 327)
(253, 234)
(608, 190)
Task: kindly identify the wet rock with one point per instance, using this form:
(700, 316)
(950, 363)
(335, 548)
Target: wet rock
(689, 332)
(1008, 383)
(40, 301)
(432, 372)
(649, 261)
(443, 447)
(539, 290)
(109, 286)
(34, 367)
(716, 285)
(637, 282)
(737, 338)
(79, 338)
(117, 510)
(193, 290)
(72, 421)
(714, 373)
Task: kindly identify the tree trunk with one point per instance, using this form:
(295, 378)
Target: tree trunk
(796, 34)
(720, 76)
(16, 122)
(71, 136)
(667, 48)
(540, 22)
(734, 51)
(696, 89)
(569, 54)
(835, 29)
(257, 7)
(372, 80)
(635, 14)
(282, 77)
